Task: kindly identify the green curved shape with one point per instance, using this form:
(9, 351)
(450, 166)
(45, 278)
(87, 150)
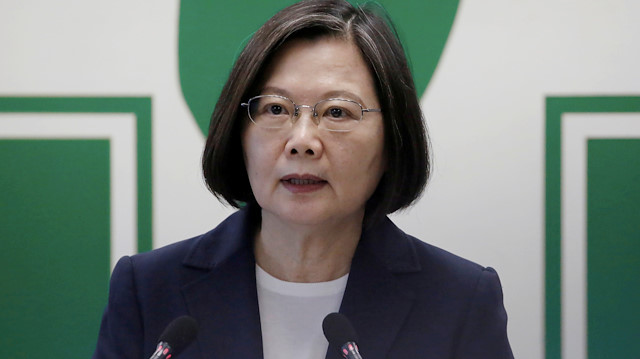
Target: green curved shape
(212, 33)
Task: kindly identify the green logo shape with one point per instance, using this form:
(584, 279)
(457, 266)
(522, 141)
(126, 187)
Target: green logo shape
(212, 34)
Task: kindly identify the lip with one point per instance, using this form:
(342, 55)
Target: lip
(302, 183)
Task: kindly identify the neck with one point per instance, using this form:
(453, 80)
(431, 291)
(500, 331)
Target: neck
(306, 253)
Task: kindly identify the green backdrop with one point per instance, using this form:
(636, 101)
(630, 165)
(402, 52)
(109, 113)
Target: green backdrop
(55, 199)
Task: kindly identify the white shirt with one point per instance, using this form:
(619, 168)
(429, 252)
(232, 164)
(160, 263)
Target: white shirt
(291, 315)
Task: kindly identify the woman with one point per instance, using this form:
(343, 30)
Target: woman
(317, 136)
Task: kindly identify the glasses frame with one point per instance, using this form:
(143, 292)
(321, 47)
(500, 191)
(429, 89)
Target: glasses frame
(314, 113)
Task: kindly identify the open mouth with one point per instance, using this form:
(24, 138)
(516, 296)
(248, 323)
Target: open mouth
(303, 183)
(299, 181)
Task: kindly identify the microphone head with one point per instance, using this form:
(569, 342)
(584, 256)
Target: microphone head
(338, 330)
(180, 333)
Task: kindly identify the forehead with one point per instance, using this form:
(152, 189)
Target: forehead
(311, 68)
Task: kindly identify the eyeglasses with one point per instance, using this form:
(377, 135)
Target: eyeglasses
(333, 114)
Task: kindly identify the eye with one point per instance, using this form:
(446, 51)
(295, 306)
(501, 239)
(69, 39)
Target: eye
(336, 112)
(272, 107)
(339, 110)
(270, 111)
(340, 113)
(275, 109)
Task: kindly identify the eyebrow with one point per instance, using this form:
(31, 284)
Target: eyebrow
(272, 90)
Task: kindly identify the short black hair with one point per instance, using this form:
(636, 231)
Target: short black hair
(368, 26)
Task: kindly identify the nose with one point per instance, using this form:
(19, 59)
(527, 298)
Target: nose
(304, 140)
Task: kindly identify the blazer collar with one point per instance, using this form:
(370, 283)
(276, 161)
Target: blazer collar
(215, 247)
(224, 297)
(376, 301)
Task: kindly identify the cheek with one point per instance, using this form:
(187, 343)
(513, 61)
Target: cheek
(250, 153)
(259, 154)
(376, 159)
(365, 161)
(373, 153)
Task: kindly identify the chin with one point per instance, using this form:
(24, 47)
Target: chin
(304, 219)
(309, 217)
(293, 214)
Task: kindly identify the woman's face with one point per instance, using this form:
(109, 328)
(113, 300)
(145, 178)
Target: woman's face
(302, 174)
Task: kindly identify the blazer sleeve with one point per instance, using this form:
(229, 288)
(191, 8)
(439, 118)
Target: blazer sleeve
(484, 333)
(120, 335)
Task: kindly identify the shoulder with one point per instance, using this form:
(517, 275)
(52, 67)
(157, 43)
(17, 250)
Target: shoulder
(402, 253)
(462, 280)
(148, 290)
(454, 299)
(437, 261)
(198, 253)
(429, 271)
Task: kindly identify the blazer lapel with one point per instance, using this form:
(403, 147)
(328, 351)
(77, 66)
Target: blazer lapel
(375, 301)
(222, 296)
(224, 299)
(225, 304)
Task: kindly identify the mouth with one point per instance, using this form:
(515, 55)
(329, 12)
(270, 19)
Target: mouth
(299, 182)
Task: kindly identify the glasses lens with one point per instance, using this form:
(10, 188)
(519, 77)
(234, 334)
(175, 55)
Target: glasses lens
(270, 111)
(338, 115)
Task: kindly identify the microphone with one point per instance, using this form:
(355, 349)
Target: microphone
(176, 337)
(340, 334)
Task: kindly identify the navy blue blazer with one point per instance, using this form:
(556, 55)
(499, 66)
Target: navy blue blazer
(405, 299)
